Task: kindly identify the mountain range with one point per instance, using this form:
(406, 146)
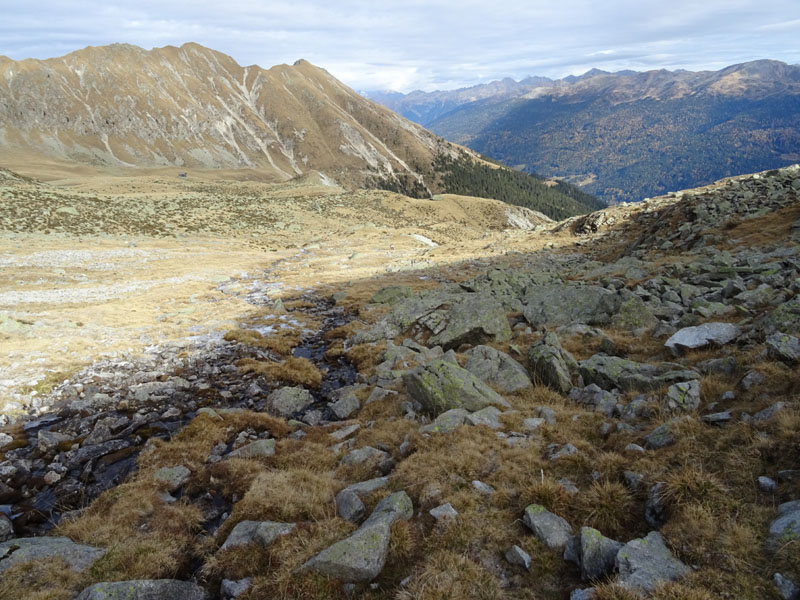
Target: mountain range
(192, 107)
(626, 135)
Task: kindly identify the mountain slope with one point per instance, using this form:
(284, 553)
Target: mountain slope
(121, 105)
(625, 136)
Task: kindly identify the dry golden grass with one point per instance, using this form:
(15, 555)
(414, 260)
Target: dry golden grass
(305, 453)
(42, 580)
(759, 231)
(292, 371)
(365, 357)
(450, 575)
(608, 507)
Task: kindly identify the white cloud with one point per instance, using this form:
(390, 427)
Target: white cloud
(425, 44)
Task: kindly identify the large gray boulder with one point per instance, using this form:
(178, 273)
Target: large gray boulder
(785, 528)
(644, 563)
(561, 304)
(613, 372)
(362, 555)
(286, 401)
(472, 319)
(79, 557)
(786, 317)
(144, 589)
(551, 364)
(690, 338)
(256, 532)
(442, 385)
(550, 529)
(497, 369)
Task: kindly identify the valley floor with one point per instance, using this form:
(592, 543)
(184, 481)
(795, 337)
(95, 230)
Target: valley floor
(301, 392)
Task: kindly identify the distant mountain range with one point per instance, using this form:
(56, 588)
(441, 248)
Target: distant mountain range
(193, 107)
(627, 135)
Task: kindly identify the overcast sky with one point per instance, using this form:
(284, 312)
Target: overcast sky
(416, 44)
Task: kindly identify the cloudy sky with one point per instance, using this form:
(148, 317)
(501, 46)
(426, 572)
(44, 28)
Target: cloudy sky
(423, 44)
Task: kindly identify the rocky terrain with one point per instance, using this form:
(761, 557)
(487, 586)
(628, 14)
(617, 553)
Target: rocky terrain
(605, 407)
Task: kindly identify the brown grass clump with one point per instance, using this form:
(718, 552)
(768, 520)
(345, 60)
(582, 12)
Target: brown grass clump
(281, 342)
(288, 495)
(365, 357)
(607, 506)
(448, 574)
(305, 453)
(690, 485)
(293, 371)
(613, 591)
(42, 580)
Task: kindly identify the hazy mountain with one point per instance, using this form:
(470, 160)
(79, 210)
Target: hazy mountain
(628, 135)
(121, 105)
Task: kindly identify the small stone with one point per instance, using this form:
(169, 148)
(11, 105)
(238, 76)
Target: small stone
(783, 347)
(719, 418)
(256, 532)
(488, 416)
(565, 450)
(769, 412)
(445, 512)
(786, 587)
(173, 477)
(568, 485)
(634, 448)
(683, 396)
(256, 449)
(751, 380)
(6, 528)
(550, 529)
(5, 440)
(230, 590)
(482, 487)
(49, 441)
(766, 484)
(546, 413)
(532, 424)
(646, 562)
(362, 455)
(517, 556)
(349, 506)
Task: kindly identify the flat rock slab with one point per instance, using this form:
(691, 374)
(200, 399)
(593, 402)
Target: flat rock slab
(646, 562)
(257, 449)
(362, 555)
(610, 372)
(550, 529)
(700, 336)
(497, 369)
(441, 386)
(78, 556)
(561, 304)
(256, 532)
(144, 589)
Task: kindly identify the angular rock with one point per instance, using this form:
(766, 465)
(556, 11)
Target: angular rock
(783, 347)
(597, 553)
(644, 563)
(767, 484)
(546, 413)
(655, 511)
(594, 398)
(369, 486)
(6, 528)
(172, 477)
(362, 455)
(362, 555)
(472, 319)
(551, 364)
(447, 422)
(144, 589)
(751, 380)
(632, 314)
(497, 369)
(441, 386)
(488, 416)
(230, 590)
(256, 449)
(690, 338)
(769, 412)
(610, 372)
(550, 529)
(517, 556)
(786, 317)
(786, 587)
(256, 532)
(564, 304)
(445, 512)
(785, 528)
(532, 424)
(287, 401)
(683, 396)
(78, 557)
(345, 402)
(350, 507)
(48, 441)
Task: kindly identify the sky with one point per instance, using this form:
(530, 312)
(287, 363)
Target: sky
(423, 44)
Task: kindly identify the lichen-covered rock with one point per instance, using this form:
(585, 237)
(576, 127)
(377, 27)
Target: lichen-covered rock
(256, 532)
(551, 364)
(561, 304)
(786, 317)
(785, 528)
(349, 506)
(593, 397)
(700, 336)
(683, 396)
(287, 401)
(783, 347)
(497, 369)
(596, 553)
(345, 402)
(517, 556)
(550, 529)
(472, 319)
(79, 557)
(644, 563)
(362, 555)
(441, 386)
(144, 589)
(489, 416)
(391, 294)
(256, 449)
(614, 372)
(172, 477)
(447, 422)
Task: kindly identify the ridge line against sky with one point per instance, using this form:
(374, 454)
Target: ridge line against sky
(423, 44)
